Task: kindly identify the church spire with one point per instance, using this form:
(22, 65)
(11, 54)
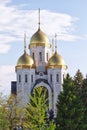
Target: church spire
(52, 46)
(24, 42)
(55, 42)
(39, 18)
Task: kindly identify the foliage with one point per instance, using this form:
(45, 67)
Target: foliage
(51, 126)
(3, 113)
(84, 92)
(14, 112)
(36, 111)
(78, 81)
(84, 99)
(81, 88)
(70, 109)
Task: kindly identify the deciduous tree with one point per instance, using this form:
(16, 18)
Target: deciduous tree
(4, 123)
(14, 112)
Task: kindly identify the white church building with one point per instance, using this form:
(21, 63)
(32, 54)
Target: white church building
(42, 67)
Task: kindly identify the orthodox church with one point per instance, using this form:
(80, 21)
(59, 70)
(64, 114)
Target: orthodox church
(42, 67)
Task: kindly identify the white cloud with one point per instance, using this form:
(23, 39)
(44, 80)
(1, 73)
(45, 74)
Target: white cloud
(4, 48)
(6, 76)
(5, 39)
(14, 21)
(57, 22)
(68, 37)
(5, 1)
(84, 36)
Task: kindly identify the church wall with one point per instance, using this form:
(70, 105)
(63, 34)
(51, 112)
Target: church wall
(56, 85)
(24, 88)
(40, 63)
(41, 76)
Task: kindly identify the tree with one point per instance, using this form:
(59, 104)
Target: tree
(78, 81)
(70, 109)
(36, 110)
(84, 99)
(14, 112)
(3, 113)
(81, 88)
(51, 126)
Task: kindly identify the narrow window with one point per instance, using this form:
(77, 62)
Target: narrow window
(31, 78)
(19, 78)
(63, 76)
(40, 56)
(33, 55)
(25, 78)
(51, 77)
(47, 56)
(57, 78)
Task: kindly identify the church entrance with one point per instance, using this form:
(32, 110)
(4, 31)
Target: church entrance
(48, 93)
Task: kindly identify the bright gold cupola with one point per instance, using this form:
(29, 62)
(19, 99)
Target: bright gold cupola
(25, 61)
(39, 38)
(56, 61)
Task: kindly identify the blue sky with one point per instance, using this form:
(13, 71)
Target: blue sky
(66, 18)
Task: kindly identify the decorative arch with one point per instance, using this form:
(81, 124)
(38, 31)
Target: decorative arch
(50, 92)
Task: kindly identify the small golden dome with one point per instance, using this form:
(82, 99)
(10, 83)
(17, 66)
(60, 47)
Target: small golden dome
(39, 39)
(25, 61)
(56, 61)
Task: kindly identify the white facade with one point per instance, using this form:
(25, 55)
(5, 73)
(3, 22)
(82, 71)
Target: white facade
(40, 62)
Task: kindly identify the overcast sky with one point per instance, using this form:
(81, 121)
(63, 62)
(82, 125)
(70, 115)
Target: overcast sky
(66, 18)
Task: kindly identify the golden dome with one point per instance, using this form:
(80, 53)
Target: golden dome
(39, 39)
(56, 61)
(25, 61)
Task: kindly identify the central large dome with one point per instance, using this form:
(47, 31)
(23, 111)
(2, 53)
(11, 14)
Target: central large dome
(39, 39)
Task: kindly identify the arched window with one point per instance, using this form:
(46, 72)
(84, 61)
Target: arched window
(63, 76)
(51, 78)
(57, 77)
(25, 78)
(33, 55)
(19, 78)
(40, 56)
(31, 78)
(47, 56)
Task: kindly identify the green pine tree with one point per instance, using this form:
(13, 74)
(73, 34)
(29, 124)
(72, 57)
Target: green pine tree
(84, 99)
(51, 126)
(36, 110)
(70, 109)
(84, 91)
(78, 81)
